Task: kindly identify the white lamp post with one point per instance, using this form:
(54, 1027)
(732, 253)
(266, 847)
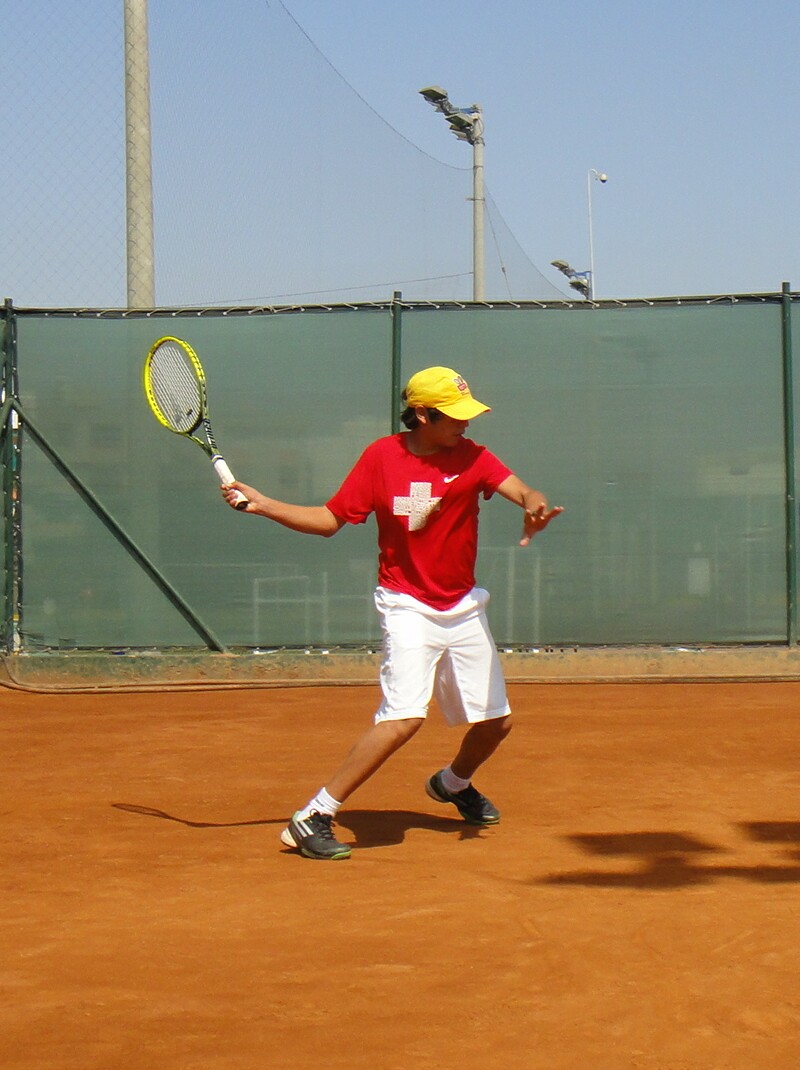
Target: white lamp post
(467, 125)
(596, 176)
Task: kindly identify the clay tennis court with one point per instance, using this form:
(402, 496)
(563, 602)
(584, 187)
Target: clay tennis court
(636, 909)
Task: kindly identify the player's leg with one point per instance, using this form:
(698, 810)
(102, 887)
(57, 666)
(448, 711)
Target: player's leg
(470, 690)
(408, 667)
(374, 747)
(480, 742)
(453, 784)
(311, 828)
(407, 674)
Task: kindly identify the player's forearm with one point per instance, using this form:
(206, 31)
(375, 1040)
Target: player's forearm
(308, 519)
(533, 500)
(519, 493)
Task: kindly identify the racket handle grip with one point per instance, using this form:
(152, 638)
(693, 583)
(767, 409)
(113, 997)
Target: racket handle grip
(226, 476)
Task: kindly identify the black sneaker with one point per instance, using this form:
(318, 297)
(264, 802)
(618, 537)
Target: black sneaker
(475, 808)
(313, 837)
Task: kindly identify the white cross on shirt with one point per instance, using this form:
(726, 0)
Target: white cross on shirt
(417, 505)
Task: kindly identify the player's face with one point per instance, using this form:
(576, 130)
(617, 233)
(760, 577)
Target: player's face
(445, 432)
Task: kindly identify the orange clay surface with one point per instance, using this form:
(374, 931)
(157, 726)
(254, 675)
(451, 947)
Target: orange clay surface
(637, 908)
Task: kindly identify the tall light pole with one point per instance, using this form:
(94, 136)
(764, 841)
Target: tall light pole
(593, 176)
(467, 125)
(138, 171)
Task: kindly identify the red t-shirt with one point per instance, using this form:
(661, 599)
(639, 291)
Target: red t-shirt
(427, 514)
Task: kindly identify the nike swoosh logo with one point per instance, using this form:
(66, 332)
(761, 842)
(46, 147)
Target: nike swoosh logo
(449, 479)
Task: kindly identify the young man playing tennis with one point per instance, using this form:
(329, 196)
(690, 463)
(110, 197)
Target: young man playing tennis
(423, 485)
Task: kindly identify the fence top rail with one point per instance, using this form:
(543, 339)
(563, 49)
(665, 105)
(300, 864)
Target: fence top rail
(8, 308)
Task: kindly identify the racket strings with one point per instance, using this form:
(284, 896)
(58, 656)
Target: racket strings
(176, 389)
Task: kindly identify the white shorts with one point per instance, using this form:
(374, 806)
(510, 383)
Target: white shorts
(447, 654)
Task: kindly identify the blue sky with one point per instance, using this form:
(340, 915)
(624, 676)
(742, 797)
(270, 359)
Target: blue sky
(688, 106)
(293, 154)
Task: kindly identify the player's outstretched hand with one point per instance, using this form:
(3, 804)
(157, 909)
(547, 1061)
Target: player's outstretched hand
(537, 520)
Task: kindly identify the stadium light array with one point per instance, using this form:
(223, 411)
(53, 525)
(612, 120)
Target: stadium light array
(578, 280)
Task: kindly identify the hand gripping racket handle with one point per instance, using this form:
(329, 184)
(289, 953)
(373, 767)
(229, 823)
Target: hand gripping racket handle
(225, 477)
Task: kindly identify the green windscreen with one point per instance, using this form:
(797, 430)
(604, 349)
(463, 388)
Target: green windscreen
(660, 432)
(659, 429)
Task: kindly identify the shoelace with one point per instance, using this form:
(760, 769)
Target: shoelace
(472, 800)
(321, 824)
(470, 794)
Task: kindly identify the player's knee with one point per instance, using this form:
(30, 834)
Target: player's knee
(499, 727)
(402, 730)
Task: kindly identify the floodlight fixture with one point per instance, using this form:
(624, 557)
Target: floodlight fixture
(466, 123)
(578, 280)
(434, 94)
(463, 125)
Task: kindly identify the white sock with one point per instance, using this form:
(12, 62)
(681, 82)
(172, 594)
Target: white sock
(453, 783)
(322, 803)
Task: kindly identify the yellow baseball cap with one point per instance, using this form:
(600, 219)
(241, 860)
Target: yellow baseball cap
(445, 390)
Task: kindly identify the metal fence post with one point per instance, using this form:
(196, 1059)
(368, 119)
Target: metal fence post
(397, 385)
(10, 448)
(789, 465)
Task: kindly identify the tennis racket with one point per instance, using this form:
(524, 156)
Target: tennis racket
(175, 386)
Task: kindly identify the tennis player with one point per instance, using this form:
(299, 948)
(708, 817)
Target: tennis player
(424, 486)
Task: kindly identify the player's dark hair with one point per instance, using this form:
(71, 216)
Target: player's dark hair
(409, 417)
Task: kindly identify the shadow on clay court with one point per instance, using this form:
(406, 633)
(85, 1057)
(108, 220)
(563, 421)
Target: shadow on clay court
(150, 811)
(669, 860)
(371, 828)
(772, 831)
(384, 828)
